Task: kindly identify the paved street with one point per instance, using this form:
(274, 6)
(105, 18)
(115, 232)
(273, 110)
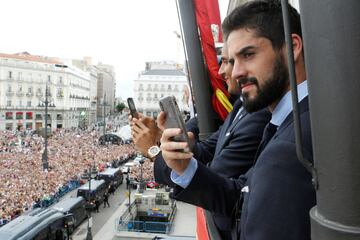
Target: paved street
(99, 219)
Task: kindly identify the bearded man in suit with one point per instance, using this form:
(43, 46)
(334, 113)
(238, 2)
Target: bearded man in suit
(276, 194)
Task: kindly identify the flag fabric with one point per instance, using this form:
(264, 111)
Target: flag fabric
(201, 226)
(209, 24)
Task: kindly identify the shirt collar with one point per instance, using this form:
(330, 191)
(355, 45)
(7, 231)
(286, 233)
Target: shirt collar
(284, 107)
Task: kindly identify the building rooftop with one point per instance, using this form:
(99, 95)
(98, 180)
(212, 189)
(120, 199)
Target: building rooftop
(28, 57)
(161, 72)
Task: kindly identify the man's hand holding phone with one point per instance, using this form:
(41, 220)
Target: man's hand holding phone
(145, 133)
(173, 151)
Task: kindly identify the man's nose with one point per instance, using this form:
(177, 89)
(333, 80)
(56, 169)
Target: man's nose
(239, 71)
(221, 71)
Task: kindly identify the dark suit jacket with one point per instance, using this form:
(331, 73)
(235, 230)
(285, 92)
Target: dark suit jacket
(280, 193)
(230, 151)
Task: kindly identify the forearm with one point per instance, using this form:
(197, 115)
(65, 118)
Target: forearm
(211, 191)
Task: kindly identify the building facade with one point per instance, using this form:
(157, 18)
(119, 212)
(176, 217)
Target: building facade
(159, 79)
(24, 79)
(105, 90)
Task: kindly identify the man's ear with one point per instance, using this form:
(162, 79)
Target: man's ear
(297, 46)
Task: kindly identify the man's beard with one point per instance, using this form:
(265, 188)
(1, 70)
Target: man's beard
(272, 90)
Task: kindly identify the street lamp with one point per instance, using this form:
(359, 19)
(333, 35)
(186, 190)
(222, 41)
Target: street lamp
(91, 175)
(141, 184)
(46, 104)
(104, 104)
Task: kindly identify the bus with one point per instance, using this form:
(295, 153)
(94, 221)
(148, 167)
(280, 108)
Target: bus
(97, 191)
(38, 225)
(112, 176)
(75, 207)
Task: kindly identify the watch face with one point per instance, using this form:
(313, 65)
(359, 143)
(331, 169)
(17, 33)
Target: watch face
(154, 150)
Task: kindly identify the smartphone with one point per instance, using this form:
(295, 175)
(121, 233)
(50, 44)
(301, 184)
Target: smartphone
(132, 108)
(174, 118)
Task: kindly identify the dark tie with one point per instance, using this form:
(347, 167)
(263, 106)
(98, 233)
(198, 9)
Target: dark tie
(269, 132)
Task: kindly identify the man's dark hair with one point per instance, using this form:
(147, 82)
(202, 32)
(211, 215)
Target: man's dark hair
(265, 17)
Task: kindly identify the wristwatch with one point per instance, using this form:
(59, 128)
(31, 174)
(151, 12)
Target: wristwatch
(153, 151)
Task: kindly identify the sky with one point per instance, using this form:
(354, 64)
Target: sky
(122, 33)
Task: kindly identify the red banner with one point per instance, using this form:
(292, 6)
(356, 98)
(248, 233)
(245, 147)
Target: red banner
(209, 23)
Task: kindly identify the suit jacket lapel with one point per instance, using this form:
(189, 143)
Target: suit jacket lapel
(229, 119)
(225, 136)
(303, 106)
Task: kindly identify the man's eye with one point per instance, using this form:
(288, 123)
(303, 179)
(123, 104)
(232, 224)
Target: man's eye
(247, 55)
(225, 61)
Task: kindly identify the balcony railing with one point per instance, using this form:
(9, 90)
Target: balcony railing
(9, 94)
(29, 94)
(20, 94)
(39, 94)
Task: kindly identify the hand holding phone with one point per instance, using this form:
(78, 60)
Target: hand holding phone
(174, 118)
(132, 108)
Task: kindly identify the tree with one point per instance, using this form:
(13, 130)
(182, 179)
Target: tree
(120, 107)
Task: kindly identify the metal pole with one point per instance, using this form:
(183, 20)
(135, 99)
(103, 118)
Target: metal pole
(331, 31)
(196, 67)
(129, 193)
(104, 115)
(45, 155)
(89, 234)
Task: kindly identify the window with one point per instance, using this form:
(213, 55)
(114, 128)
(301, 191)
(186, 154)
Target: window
(49, 79)
(28, 125)
(19, 115)
(29, 115)
(60, 92)
(148, 97)
(9, 126)
(169, 87)
(20, 103)
(8, 103)
(140, 97)
(8, 115)
(20, 75)
(9, 88)
(30, 90)
(38, 117)
(10, 74)
(28, 104)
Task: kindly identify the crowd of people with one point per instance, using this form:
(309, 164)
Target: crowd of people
(146, 173)
(24, 183)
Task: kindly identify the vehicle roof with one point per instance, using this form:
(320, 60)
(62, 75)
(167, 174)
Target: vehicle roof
(26, 226)
(65, 204)
(110, 171)
(94, 185)
(129, 164)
